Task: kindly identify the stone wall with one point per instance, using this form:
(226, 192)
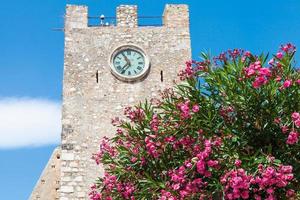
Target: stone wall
(89, 103)
(127, 16)
(48, 184)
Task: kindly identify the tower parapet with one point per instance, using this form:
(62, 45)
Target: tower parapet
(76, 17)
(176, 16)
(127, 16)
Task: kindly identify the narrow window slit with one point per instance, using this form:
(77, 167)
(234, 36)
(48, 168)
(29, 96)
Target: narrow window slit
(161, 76)
(97, 76)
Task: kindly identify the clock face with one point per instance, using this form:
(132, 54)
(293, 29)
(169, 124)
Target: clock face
(129, 63)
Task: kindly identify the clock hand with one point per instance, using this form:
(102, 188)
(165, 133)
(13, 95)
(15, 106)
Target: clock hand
(124, 68)
(127, 60)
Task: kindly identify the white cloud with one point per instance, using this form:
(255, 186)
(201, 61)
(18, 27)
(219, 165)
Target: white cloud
(27, 122)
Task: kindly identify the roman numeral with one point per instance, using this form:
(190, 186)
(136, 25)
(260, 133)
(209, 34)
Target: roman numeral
(135, 72)
(129, 73)
(119, 67)
(118, 62)
(139, 68)
(128, 53)
(139, 58)
(140, 63)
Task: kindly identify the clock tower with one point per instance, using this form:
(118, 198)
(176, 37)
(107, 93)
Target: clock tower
(107, 68)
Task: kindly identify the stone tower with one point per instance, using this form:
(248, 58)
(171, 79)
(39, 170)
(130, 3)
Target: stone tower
(96, 87)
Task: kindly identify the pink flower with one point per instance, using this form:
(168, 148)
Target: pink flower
(236, 184)
(286, 169)
(188, 164)
(288, 48)
(237, 163)
(201, 167)
(195, 108)
(285, 48)
(295, 116)
(297, 123)
(279, 55)
(259, 81)
(264, 72)
(271, 62)
(257, 197)
(245, 194)
(165, 195)
(284, 129)
(134, 114)
(257, 65)
(247, 53)
(278, 79)
(277, 120)
(298, 81)
(154, 123)
(249, 72)
(292, 138)
(119, 131)
(290, 193)
(270, 190)
(287, 83)
(133, 159)
(212, 163)
(151, 147)
(185, 110)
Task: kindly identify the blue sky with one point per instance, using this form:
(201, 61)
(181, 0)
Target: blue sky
(31, 65)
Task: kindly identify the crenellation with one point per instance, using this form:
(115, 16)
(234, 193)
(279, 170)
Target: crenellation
(176, 16)
(76, 17)
(127, 16)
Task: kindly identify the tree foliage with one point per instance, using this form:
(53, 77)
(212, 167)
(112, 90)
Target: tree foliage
(229, 130)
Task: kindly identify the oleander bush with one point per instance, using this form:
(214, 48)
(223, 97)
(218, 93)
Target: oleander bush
(229, 130)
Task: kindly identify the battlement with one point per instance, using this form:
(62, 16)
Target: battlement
(174, 15)
(127, 16)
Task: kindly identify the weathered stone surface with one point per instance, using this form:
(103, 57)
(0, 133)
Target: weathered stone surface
(127, 16)
(48, 184)
(92, 96)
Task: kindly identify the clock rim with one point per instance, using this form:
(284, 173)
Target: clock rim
(124, 77)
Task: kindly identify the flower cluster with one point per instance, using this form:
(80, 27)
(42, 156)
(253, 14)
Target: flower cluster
(154, 123)
(236, 184)
(191, 68)
(296, 119)
(165, 195)
(111, 184)
(152, 146)
(261, 74)
(293, 136)
(270, 179)
(203, 160)
(182, 184)
(264, 185)
(288, 48)
(105, 147)
(134, 114)
(230, 131)
(227, 112)
(185, 110)
(232, 55)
